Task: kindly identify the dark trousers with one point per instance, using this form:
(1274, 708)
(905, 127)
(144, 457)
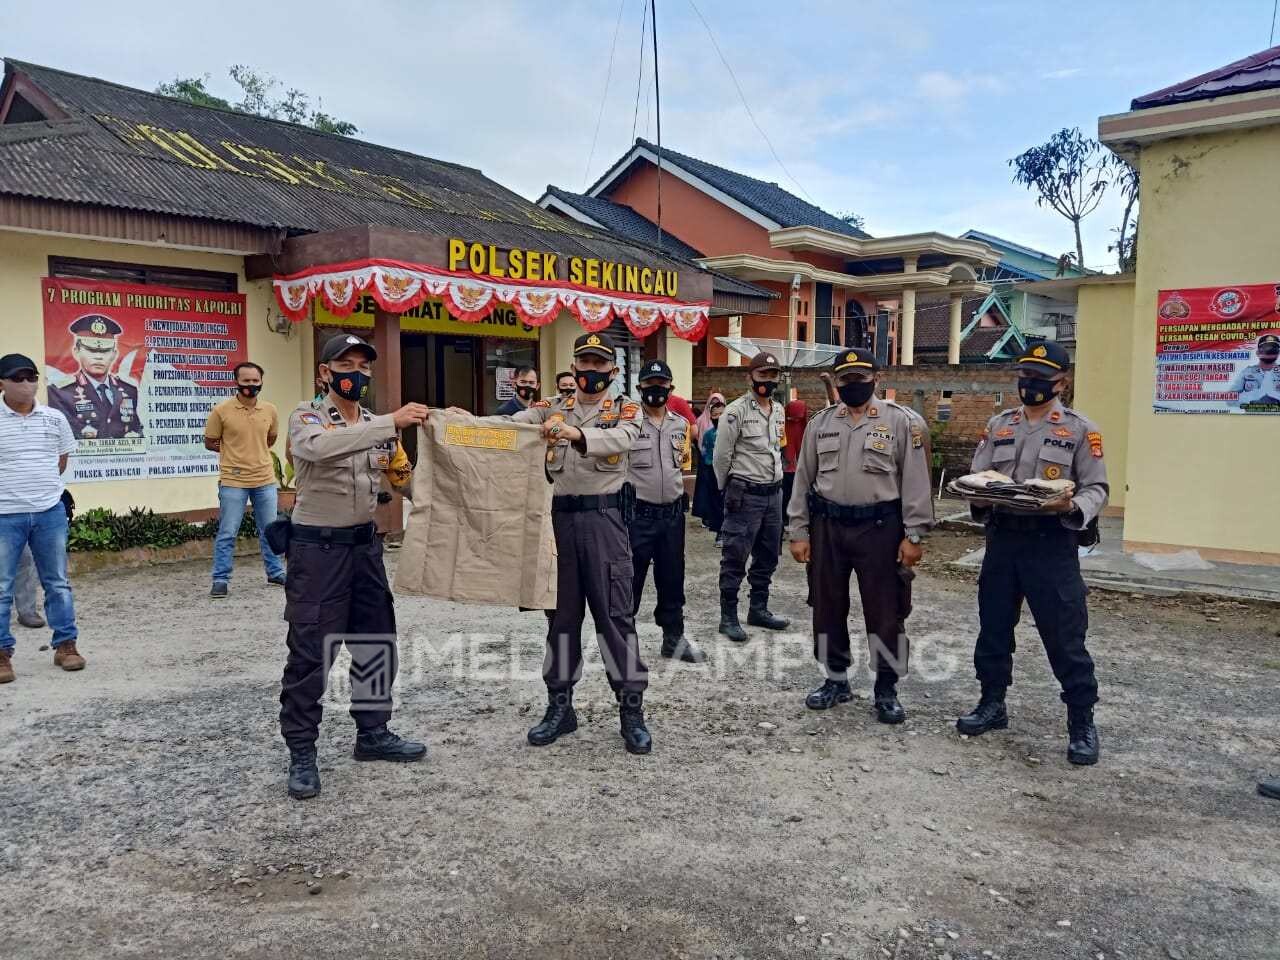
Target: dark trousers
(752, 527)
(657, 536)
(330, 590)
(1043, 567)
(593, 570)
(870, 550)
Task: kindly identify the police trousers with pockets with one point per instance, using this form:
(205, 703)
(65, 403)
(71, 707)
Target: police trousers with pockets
(657, 537)
(593, 570)
(1043, 567)
(332, 590)
(752, 528)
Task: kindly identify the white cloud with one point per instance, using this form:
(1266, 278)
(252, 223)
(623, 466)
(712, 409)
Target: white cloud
(946, 88)
(1064, 74)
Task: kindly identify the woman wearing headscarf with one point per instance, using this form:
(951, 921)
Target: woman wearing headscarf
(708, 500)
(797, 415)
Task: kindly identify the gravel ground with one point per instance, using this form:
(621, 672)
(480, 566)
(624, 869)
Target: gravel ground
(145, 813)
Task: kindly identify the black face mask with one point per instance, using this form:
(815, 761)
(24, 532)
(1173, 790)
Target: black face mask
(593, 381)
(1267, 358)
(525, 392)
(248, 389)
(566, 391)
(764, 388)
(857, 393)
(1033, 391)
(655, 396)
(351, 386)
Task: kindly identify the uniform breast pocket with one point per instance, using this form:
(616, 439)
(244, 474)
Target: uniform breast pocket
(753, 430)
(556, 456)
(1054, 463)
(828, 454)
(1003, 456)
(642, 453)
(613, 462)
(877, 453)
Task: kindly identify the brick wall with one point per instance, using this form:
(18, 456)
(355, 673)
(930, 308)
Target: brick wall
(977, 392)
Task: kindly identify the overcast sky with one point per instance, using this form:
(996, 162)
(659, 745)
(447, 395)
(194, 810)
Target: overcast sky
(904, 112)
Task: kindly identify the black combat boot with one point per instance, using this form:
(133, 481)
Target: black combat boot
(758, 615)
(729, 624)
(888, 709)
(675, 646)
(1270, 788)
(631, 716)
(1082, 737)
(559, 719)
(304, 777)
(829, 694)
(381, 744)
(989, 714)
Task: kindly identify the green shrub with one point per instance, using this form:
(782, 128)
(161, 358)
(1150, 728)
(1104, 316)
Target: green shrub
(100, 529)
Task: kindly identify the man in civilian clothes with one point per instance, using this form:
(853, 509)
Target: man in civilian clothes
(525, 384)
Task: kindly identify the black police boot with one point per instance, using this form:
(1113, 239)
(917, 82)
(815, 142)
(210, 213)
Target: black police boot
(559, 719)
(1082, 736)
(381, 744)
(304, 777)
(631, 716)
(758, 615)
(888, 709)
(675, 646)
(1270, 788)
(989, 714)
(729, 624)
(829, 694)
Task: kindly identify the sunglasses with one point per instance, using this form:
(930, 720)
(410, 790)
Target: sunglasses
(25, 376)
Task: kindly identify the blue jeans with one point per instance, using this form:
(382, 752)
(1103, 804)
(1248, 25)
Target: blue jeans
(231, 504)
(46, 534)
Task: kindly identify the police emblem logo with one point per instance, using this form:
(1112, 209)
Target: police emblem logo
(655, 368)
(310, 418)
(98, 327)
(851, 357)
(1040, 352)
(593, 341)
(353, 340)
(1052, 472)
(770, 360)
(613, 458)
(879, 445)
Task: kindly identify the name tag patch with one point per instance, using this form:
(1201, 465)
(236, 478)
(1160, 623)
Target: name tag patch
(490, 438)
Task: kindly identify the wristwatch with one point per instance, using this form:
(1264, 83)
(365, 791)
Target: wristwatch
(915, 538)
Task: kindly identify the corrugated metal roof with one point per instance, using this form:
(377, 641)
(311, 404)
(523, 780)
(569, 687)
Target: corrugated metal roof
(1261, 71)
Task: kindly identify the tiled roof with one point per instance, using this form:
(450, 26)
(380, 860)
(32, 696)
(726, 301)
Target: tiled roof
(90, 160)
(622, 219)
(1258, 72)
(768, 199)
(933, 328)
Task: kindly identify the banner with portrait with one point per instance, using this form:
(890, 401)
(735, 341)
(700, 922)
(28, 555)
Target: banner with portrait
(135, 370)
(1217, 350)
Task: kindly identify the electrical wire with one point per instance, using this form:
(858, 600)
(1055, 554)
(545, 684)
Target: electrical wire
(586, 175)
(1274, 7)
(644, 22)
(743, 97)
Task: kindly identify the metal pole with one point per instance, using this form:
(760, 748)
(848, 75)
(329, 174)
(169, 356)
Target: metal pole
(657, 107)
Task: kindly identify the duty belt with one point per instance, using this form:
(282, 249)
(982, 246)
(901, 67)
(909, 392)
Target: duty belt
(820, 506)
(646, 509)
(347, 536)
(570, 503)
(1003, 520)
(758, 489)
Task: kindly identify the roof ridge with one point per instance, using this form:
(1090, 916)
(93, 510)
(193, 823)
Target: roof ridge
(19, 65)
(1253, 60)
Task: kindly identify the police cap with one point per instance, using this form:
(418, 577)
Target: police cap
(1044, 356)
(854, 359)
(1269, 340)
(336, 346)
(96, 325)
(594, 344)
(655, 369)
(764, 360)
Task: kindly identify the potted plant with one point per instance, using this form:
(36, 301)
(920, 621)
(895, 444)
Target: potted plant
(284, 480)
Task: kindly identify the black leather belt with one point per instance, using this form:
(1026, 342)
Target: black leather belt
(347, 536)
(758, 489)
(1003, 520)
(571, 503)
(820, 506)
(646, 509)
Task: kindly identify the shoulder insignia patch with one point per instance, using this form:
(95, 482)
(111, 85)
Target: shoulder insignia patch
(917, 436)
(568, 403)
(629, 410)
(1055, 417)
(873, 412)
(607, 404)
(1095, 444)
(541, 403)
(309, 418)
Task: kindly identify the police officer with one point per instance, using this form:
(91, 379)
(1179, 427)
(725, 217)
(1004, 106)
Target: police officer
(336, 582)
(1258, 383)
(658, 462)
(861, 505)
(1035, 555)
(97, 404)
(589, 437)
(748, 466)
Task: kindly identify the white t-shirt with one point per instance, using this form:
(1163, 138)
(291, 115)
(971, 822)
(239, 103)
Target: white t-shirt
(30, 446)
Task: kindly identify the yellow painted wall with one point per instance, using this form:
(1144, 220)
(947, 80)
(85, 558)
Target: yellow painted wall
(680, 360)
(1210, 209)
(1104, 358)
(24, 259)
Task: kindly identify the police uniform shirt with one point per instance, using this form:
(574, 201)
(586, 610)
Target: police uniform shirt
(658, 458)
(609, 430)
(340, 466)
(105, 410)
(749, 442)
(1063, 446)
(1253, 384)
(877, 459)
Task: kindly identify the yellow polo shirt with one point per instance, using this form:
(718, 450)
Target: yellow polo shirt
(245, 458)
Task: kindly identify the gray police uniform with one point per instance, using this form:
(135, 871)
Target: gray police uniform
(1035, 556)
(594, 567)
(336, 583)
(1255, 385)
(748, 467)
(657, 530)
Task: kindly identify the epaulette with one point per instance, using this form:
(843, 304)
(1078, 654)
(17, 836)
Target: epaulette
(629, 410)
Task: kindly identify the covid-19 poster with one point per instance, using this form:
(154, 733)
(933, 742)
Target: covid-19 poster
(135, 370)
(1217, 350)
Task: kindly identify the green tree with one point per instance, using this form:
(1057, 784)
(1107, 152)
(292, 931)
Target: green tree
(854, 220)
(1070, 173)
(257, 96)
(1124, 177)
